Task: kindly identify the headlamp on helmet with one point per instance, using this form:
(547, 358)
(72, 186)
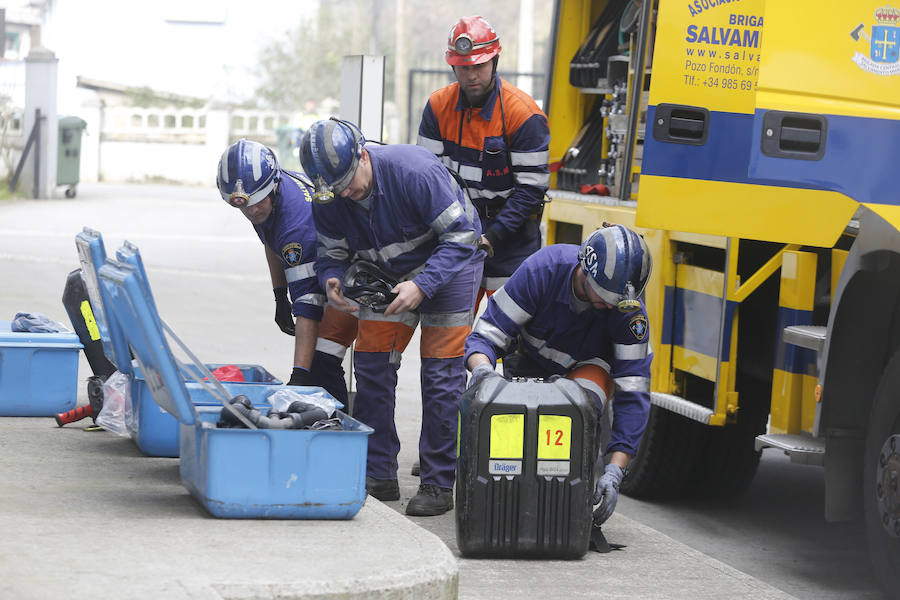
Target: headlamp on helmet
(616, 263)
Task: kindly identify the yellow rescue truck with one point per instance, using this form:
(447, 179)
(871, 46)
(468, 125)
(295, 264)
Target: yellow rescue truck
(756, 145)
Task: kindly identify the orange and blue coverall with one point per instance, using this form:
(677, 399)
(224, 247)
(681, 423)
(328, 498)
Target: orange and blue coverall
(500, 150)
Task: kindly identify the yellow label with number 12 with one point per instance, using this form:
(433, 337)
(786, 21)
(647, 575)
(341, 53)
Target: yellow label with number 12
(554, 437)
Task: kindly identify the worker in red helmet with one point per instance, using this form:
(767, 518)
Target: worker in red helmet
(495, 136)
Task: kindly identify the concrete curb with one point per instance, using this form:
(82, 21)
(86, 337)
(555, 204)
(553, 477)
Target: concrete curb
(86, 516)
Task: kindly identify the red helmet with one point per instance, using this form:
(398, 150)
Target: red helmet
(472, 41)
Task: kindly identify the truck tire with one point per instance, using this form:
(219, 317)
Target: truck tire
(729, 461)
(666, 456)
(881, 480)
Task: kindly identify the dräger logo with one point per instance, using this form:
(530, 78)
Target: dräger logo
(505, 467)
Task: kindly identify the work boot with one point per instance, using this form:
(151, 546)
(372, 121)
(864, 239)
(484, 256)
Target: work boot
(415, 469)
(383, 489)
(431, 500)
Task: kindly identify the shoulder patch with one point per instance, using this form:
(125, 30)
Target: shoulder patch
(292, 254)
(638, 326)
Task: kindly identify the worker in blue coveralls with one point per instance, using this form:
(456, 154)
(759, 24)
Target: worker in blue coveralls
(497, 139)
(279, 205)
(397, 206)
(578, 313)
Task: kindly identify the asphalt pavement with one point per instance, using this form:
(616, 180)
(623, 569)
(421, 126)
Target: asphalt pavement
(85, 515)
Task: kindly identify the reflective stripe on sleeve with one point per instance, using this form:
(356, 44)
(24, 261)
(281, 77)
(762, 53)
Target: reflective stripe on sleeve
(467, 238)
(299, 272)
(435, 146)
(535, 179)
(631, 351)
(314, 299)
(529, 159)
(633, 384)
(493, 334)
(447, 217)
(516, 313)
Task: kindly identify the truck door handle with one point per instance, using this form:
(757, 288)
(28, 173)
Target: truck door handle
(681, 124)
(799, 136)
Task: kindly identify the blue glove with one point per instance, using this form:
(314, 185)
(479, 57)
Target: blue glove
(606, 494)
(480, 373)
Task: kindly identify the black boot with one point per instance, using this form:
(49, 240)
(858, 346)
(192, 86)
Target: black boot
(383, 489)
(431, 501)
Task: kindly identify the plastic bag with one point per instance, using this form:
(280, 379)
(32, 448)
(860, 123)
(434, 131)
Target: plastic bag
(116, 411)
(282, 399)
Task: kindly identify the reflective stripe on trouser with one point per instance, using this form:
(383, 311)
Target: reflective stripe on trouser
(446, 321)
(336, 333)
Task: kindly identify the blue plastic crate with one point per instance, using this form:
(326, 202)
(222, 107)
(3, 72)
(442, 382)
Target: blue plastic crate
(154, 430)
(240, 473)
(38, 372)
(274, 473)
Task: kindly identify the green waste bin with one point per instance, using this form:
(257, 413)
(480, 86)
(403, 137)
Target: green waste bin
(68, 162)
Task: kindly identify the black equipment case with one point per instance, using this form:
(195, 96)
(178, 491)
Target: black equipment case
(525, 471)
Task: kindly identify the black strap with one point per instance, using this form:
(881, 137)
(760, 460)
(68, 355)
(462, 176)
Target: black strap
(599, 543)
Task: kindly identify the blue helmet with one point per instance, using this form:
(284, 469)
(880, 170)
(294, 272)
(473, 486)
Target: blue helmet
(617, 263)
(330, 152)
(248, 171)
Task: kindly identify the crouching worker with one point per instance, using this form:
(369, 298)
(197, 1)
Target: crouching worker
(398, 208)
(278, 204)
(577, 312)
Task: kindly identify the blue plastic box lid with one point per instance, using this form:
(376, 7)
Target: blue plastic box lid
(128, 298)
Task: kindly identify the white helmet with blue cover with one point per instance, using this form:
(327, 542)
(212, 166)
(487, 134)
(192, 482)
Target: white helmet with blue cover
(248, 172)
(617, 264)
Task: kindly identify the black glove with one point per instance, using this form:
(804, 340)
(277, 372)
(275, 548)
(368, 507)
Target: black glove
(283, 315)
(301, 376)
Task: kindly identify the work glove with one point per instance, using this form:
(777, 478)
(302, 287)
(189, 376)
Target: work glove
(301, 376)
(480, 373)
(606, 493)
(283, 315)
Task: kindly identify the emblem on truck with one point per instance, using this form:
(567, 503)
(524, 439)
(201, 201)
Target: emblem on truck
(884, 44)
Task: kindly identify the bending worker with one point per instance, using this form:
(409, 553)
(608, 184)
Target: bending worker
(497, 139)
(577, 312)
(279, 205)
(398, 207)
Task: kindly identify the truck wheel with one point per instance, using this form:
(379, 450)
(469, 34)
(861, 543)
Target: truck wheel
(728, 463)
(881, 480)
(666, 456)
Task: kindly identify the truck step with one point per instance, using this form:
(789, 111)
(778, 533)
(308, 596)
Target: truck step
(801, 448)
(805, 336)
(680, 406)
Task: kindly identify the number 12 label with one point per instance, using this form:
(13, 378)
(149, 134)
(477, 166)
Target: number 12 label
(554, 437)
